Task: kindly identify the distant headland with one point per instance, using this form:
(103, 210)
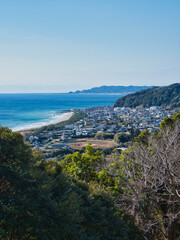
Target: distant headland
(112, 90)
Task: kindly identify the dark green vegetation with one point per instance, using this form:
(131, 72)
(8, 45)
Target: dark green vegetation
(59, 126)
(102, 135)
(126, 137)
(113, 89)
(146, 179)
(158, 96)
(143, 180)
(59, 153)
(136, 196)
(40, 202)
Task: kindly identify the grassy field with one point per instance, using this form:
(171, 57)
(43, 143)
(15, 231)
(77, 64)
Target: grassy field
(96, 143)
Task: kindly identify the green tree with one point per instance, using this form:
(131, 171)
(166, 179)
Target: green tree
(84, 166)
(30, 205)
(148, 173)
(39, 202)
(102, 135)
(121, 137)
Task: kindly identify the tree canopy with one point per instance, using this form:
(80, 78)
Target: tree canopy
(157, 96)
(148, 174)
(40, 202)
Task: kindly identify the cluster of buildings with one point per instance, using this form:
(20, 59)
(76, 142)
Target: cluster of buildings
(100, 119)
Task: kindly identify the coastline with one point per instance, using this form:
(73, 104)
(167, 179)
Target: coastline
(61, 118)
(21, 112)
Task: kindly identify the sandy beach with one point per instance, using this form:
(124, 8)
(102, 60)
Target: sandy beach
(61, 118)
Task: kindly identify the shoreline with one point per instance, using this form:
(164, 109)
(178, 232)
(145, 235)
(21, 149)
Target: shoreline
(61, 118)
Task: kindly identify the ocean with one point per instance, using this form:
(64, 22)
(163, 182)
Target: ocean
(23, 111)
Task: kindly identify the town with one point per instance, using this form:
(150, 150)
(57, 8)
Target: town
(103, 127)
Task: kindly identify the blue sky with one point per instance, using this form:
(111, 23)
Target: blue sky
(58, 46)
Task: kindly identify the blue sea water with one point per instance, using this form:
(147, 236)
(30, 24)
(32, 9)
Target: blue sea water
(22, 111)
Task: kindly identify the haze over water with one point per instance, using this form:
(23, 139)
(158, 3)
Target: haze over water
(21, 111)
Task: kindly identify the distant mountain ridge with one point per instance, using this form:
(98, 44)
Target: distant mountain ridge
(112, 89)
(168, 96)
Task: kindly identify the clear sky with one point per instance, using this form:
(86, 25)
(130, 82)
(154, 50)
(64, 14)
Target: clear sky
(63, 45)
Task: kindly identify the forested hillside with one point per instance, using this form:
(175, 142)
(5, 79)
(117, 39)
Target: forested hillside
(157, 96)
(135, 196)
(38, 201)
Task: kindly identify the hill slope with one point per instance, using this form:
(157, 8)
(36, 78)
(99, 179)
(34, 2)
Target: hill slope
(113, 89)
(157, 96)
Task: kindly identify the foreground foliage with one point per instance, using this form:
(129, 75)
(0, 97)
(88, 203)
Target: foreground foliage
(144, 180)
(83, 197)
(39, 202)
(148, 178)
